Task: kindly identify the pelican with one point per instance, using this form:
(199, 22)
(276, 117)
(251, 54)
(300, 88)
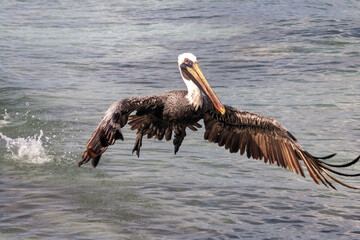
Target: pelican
(171, 113)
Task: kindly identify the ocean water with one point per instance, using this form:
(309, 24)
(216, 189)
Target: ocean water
(62, 63)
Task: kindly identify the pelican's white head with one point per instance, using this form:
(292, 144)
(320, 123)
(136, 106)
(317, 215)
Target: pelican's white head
(196, 82)
(189, 56)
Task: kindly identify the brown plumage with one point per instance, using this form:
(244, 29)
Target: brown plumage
(265, 138)
(162, 116)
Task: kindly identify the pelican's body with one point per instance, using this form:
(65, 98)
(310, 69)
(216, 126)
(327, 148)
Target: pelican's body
(171, 113)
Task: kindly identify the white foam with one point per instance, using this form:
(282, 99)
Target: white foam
(28, 149)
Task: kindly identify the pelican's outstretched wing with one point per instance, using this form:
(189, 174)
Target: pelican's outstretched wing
(116, 117)
(265, 138)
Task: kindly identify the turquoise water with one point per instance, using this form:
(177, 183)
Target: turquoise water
(63, 63)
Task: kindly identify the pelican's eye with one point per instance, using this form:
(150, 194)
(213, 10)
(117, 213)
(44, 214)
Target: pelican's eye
(188, 62)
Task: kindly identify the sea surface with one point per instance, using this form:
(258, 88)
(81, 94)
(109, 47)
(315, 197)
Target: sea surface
(62, 63)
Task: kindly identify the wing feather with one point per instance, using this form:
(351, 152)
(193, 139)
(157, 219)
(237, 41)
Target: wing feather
(109, 128)
(264, 138)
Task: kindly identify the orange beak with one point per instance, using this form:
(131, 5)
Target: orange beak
(195, 74)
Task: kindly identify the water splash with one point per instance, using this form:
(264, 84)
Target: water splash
(28, 149)
(5, 121)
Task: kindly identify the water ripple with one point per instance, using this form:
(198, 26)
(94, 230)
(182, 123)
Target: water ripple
(63, 63)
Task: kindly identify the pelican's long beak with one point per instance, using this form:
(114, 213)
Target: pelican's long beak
(198, 78)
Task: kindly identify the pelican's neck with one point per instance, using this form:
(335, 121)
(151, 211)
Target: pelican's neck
(193, 95)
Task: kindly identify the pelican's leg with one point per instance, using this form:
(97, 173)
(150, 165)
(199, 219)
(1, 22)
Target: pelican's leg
(180, 134)
(138, 143)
